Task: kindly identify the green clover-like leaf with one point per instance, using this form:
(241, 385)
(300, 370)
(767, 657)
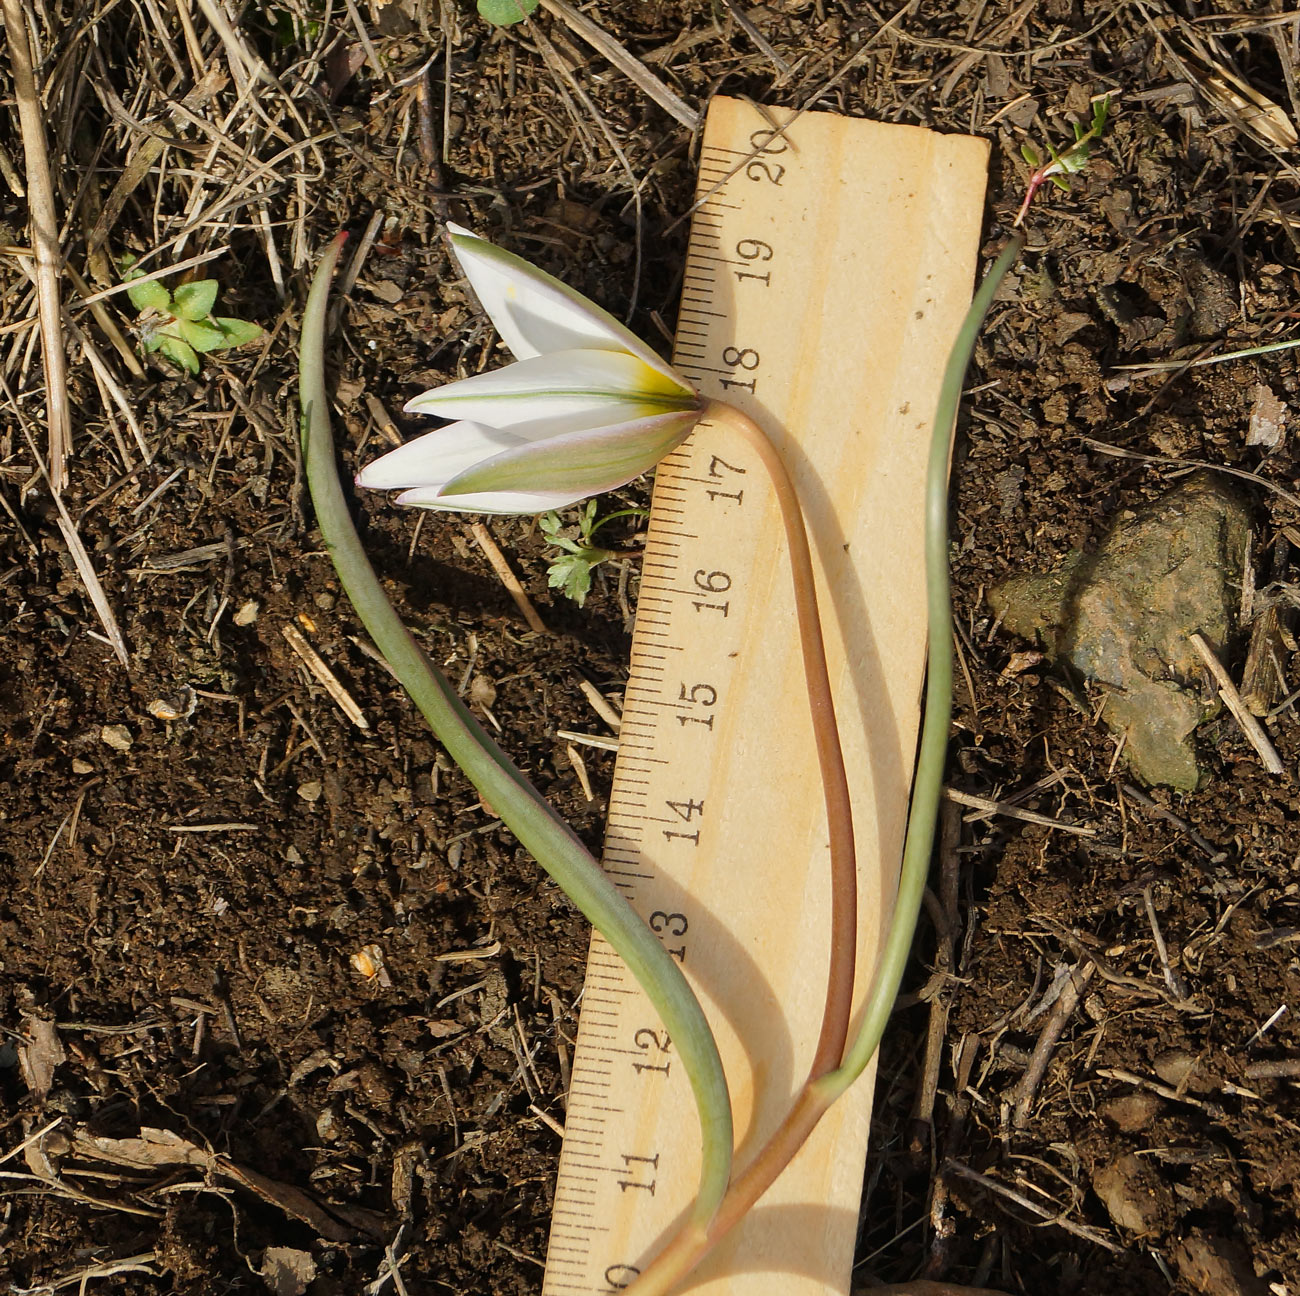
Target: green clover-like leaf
(194, 301)
(150, 295)
(505, 13)
(237, 331)
(179, 351)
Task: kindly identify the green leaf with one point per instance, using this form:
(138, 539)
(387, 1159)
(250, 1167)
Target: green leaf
(237, 331)
(1029, 155)
(505, 13)
(150, 341)
(150, 295)
(194, 301)
(181, 352)
(571, 573)
(201, 335)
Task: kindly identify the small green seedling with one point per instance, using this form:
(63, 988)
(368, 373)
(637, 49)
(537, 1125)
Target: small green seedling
(1068, 162)
(570, 570)
(505, 13)
(180, 323)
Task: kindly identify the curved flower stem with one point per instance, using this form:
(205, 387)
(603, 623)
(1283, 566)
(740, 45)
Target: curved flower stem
(927, 788)
(826, 734)
(694, 1242)
(520, 806)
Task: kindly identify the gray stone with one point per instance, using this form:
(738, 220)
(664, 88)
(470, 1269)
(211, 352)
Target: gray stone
(1120, 618)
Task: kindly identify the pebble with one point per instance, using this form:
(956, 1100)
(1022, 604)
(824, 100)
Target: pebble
(118, 737)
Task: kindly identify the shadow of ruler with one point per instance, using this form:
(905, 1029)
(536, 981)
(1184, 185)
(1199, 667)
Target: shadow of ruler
(828, 272)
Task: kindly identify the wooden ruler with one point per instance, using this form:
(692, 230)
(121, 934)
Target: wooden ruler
(827, 275)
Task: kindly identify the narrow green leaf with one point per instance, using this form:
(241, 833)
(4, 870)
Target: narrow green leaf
(237, 331)
(505, 13)
(201, 335)
(194, 301)
(181, 352)
(150, 295)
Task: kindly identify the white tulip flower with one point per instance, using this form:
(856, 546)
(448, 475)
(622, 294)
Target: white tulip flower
(585, 408)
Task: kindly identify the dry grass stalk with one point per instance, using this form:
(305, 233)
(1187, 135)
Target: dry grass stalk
(483, 538)
(986, 806)
(331, 682)
(45, 242)
(636, 71)
(1250, 726)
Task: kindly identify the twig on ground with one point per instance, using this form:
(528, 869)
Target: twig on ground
(1177, 986)
(483, 538)
(1022, 1097)
(1216, 854)
(601, 41)
(944, 917)
(1251, 727)
(76, 550)
(331, 682)
(1053, 1217)
(1014, 812)
(588, 740)
(761, 43)
(601, 705)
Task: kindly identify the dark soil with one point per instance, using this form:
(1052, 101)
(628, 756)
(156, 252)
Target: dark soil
(189, 905)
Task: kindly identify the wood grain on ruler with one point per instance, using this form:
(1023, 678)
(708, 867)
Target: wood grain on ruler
(825, 281)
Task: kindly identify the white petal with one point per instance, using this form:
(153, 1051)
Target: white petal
(436, 457)
(610, 385)
(578, 463)
(491, 501)
(534, 312)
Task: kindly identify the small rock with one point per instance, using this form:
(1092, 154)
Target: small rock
(247, 613)
(1121, 617)
(1133, 1194)
(118, 737)
(80, 766)
(310, 791)
(287, 1271)
(1183, 1072)
(1132, 1112)
(1267, 419)
(1217, 1267)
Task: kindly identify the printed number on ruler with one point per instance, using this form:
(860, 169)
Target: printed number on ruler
(616, 1194)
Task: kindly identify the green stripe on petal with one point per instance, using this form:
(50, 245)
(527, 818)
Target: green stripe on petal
(601, 387)
(583, 463)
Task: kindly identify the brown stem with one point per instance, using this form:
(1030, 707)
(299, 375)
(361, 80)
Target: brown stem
(693, 1243)
(826, 733)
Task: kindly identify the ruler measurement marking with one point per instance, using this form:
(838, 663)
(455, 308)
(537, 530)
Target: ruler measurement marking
(722, 303)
